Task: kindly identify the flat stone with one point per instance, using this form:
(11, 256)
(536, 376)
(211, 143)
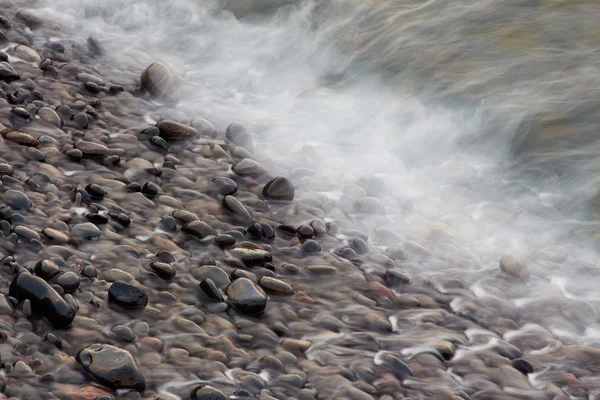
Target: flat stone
(127, 295)
(274, 285)
(252, 257)
(86, 230)
(23, 139)
(321, 269)
(111, 366)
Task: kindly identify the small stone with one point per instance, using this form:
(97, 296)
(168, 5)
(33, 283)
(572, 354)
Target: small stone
(163, 270)
(276, 286)
(224, 186)
(370, 205)
(86, 230)
(23, 139)
(159, 81)
(252, 257)
(127, 295)
(44, 299)
(204, 127)
(28, 18)
(69, 281)
(55, 235)
(306, 232)
(246, 297)
(311, 246)
(95, 191)
(255, 231)
(247, 167)
(124, 332)
(224, 240)
(7, 73)
(27, 233)
(212, 272)
(235, 207)
(513, 267)
(27, 54)
(17, 200)
(46, 269)
(321, 269)
(111, 366)
(206, 392)
(238, 134)
(199, 229)
(150, 190)
(171, 130)
(394, 277)
(50, 116)
(89, 271)
(91, 149)
(398, 367)
(81, 119)
(6, 169)
(279, 188)
(209, 287)
(523, 366)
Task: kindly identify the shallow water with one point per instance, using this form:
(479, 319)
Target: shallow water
(480, 118)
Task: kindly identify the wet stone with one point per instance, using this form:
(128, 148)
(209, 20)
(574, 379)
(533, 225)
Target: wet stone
(26, 232)
(43, 298)
(29, 18)
(394, 278)
(23, 139)
(86, 230)
(238, 134)
(163, 270)
(17, 200)
(55, 47)
(212, 272)
(184, 216)
(46, 269)
(235, 207)
(224, 186)
(321, 269)
(95, 191)
(21, 112)
(209, 287)
(279, 188)
(246, 297)
(123, 332)
(252, 257)
(171, 130)
(150, 190)
(198, 229)
(69, 281)
(224, 241)
(255, 231)
(276, 286)
(7, 72)
(159, 80)
(515, 268)
(204, 127)
(27, 54)
(398, 367)
(50, 116)
(247, 167)
(81, 119)
(206, 392)
(111, 366)
(311, 246)
(89, 271)
(91, 149)
(523, 366)
(127, 295)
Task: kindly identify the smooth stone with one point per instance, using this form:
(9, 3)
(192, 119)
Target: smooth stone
(17, 200)
(224, 240)
(91, 149)
(6, 169)
(124, 332)
(247, 167)
(29, 18)
(45, 301)
(95, 191)
(163, 270)
(159, 81)
(69, 281)
(26, 232)
(7, 72)
(238, 134)
(127, 295)
(246, 297)
(111, 366)
(523, 366)
(370, 205)
(23, 139)
(306, 232)
(199, 229)
(46, 269)
(515, 268)
(171, 130)
(184, 216)
(150, 190)
(252, 257)
(242, 273)
(274, 285)
(209, 287)
(224, 186)
(204, 127)
(86, 230)
(394, 277)
(398, 367)
(50, 116)
(235, 207)
(311, 246)
(27, 54)
(321, 269)
(279, 188)
(213, 272)
(206, 392)
(89, 271)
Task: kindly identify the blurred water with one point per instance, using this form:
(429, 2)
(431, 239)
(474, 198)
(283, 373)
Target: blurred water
(482, 115)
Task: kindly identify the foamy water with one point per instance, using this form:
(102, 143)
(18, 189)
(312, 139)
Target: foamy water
(425, 95)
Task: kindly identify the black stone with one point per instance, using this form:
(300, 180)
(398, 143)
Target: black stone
(267, 230)
(165, 256)
(133, 187)
(44, 299)
(127, 295)
(206, 392)
(279, 188)
(121, 218)
(7, 73)
(246, 297)
(523, 366)
(95, 191)
(112, 367)
(97, 218)
(163, 270)
(150, 190)
(46, 269)
(255, 231)
(209, 287)
(287, 229)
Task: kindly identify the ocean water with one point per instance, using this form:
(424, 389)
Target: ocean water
(481, 118)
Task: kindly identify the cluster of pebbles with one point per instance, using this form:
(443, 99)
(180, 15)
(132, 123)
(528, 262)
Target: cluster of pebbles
(163, 262)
